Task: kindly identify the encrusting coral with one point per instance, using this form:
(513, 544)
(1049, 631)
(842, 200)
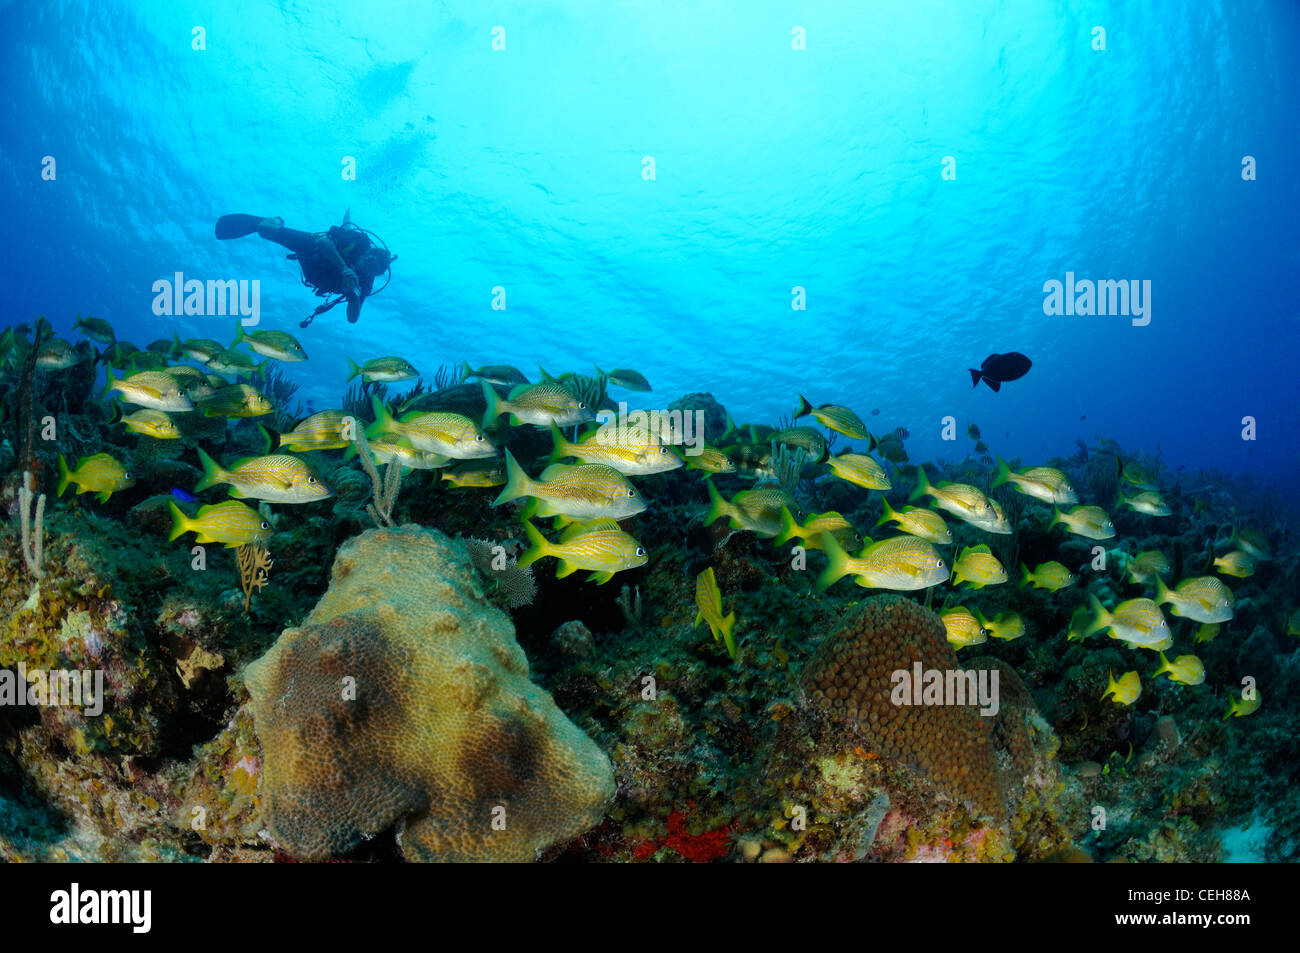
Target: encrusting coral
(403, 698)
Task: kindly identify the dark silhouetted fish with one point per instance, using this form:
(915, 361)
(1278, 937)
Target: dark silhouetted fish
(997, 369)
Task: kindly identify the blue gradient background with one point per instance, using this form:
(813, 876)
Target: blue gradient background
(775, 168)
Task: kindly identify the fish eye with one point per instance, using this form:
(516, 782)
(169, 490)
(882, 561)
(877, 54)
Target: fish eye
(127, 474)
(581, 405)
(478, 437)
(265, 525)
(938, 563)
(631, 492)
(640, 551)
(311, 479)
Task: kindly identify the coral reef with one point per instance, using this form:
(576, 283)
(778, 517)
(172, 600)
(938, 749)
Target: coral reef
(406, 682)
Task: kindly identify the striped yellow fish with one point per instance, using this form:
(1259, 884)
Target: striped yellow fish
(278, 478)
(978, 567)
(1125, 691)
(1237, 563)
(628, 454)
(156, 390)
(237, 400)
(1138, 622)
(277, 345)
(539, 404)
(1186, 669)
(1203, 599)
(485, 474)
(1087, 521)
(99, 474)
(320, 431)
(918, 521)
(861, 470)
(962, 501)
(230, 361)
(389, 370)
(1148, 501)
(387, 447)
(1247, 704)
(757, 510)
(598, 545)
(1049, 575)
(1042, 483)
(831, 523)
(446, 434)
(1005, 625)
(151, 423)
(901, 562)
(584, 491)
(1148, 565)
(711, 461)
(804, 438)
(231, 523)
(837, 418)
(708, 601)
(963, 628)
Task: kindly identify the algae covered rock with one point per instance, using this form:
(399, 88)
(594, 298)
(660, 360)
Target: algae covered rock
(404, 698)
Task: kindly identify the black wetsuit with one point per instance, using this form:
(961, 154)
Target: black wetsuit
(319, 268)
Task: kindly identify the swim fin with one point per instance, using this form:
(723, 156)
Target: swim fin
(237, 226)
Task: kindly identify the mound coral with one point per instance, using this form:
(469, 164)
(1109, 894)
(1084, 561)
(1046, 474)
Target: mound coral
(850, 681)
(404, 699)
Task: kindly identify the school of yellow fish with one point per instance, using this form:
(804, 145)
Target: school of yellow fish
(587, 499)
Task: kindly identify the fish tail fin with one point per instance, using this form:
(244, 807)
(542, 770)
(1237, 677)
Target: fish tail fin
(538, 546)
(1162, 591)
(240, 337)
(804, 408)
(922, 484)
(729, 639)
(718, 507)
(466, 372)
(838, 565)
(65, 477)
(1164, 665)
(212, 473)
(517, 482)
(559, 446)
(384, 422)
(1004, 473)
(353, 369)
(493, 401)
(1100, 617)
(975, 377)
(995, 386)
(109, 383)
(889, 513)
(180, 522)
(267, 441)
(789, 528)
(1056, 517)
(1024, 576)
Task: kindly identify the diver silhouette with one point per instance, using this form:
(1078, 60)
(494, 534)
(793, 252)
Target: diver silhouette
(344, 260)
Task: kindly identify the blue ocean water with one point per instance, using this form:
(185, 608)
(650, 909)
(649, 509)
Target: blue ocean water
(775, 168)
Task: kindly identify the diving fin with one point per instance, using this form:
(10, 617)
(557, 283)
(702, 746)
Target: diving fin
(237, 226)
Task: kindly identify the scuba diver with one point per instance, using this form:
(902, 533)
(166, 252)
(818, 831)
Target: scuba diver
(342, 261)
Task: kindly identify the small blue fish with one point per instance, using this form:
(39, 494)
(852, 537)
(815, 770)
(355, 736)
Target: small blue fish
(183, 495)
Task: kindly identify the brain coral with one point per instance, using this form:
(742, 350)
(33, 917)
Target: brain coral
(404, 698)
(849, 679)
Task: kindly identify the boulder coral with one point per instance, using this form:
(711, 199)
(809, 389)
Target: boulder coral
(850, 681)
(404, 700)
